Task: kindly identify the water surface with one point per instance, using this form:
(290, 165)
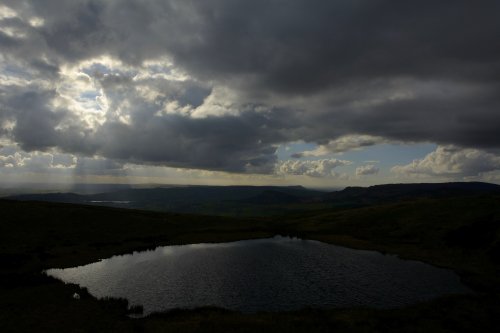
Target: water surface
(273, 274)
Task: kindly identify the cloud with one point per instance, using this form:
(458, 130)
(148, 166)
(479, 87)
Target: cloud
(219, 84)
(451, 162)
(367, 170)
(342, 144)
(35, 122)
(14, 160)
(314, 168)
(230, 143)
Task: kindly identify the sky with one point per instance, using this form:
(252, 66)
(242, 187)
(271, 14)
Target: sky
(284, 92)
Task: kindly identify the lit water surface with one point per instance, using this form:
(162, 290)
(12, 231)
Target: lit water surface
(273, 274)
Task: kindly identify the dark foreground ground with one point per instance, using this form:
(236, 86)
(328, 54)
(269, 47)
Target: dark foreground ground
(461, 233)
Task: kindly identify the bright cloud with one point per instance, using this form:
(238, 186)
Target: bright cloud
(452, 162)
(314, 168)
(367, 170)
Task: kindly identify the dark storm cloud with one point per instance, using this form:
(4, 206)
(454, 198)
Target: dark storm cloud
(294, 46)
(302, 47)
(231, 143)
(35, 122)
(398, 70)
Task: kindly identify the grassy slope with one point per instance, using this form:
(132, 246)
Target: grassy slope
(460, 233)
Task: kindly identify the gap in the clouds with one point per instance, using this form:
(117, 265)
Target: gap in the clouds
(384, 156)
(285, 151)
(388, 155)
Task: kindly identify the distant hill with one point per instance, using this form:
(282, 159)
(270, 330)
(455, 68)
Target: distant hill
(261, 200)
(9, 189)
(218, 200)
(50, 197)
(362, 196)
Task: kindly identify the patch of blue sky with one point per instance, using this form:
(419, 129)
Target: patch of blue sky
(103, 69)
(88, 100)
(285, 151)
(159, 69)
(89, 94)
(15, 71)
(384, 156)
(388, 155)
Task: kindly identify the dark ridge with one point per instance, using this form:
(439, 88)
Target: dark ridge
(223, 200)
(396, 192)
(261, 200)
(50, 197)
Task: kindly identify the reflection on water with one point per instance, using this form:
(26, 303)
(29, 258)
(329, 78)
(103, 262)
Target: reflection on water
(272, 274)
